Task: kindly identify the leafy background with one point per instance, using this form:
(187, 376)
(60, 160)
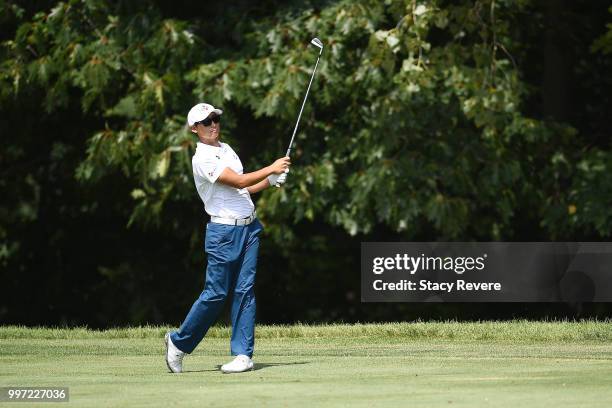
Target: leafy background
(428, 120)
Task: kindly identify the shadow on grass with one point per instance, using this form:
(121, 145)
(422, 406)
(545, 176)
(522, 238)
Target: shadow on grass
(200, 371)
(261, 366)
(258, 366)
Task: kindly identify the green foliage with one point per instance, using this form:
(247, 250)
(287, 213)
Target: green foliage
(604, 43)
(415, 120)
(423, 123)
(414, 136)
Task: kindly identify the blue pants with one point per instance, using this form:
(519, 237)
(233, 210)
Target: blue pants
(232, 262)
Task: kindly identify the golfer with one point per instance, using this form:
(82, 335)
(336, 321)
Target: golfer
(232, 242)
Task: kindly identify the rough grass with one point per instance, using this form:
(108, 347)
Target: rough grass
(516, 330)
(501, 364)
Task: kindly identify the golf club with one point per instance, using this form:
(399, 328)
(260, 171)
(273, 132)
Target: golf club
(317, 43)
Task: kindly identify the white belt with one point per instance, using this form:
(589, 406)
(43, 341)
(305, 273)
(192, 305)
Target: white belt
(234, 221)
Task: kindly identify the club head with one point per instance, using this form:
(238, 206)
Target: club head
(317, 43)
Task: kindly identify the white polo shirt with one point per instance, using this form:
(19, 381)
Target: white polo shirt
(219, 199)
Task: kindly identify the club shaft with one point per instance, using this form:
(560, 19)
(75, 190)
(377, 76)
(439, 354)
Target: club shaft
(302, 108)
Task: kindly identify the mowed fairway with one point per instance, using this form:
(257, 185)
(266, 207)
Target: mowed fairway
(512, 364)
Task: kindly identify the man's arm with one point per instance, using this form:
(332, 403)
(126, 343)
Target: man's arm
(233, 179)
(256, 188)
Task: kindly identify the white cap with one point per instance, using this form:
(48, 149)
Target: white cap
(200, 112)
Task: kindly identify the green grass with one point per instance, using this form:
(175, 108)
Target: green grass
(501, 364)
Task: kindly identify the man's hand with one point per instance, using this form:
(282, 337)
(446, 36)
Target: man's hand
(276, 179)
(280, 165)
(282, 178)
(273, 179)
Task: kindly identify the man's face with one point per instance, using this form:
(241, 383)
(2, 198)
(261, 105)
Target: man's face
(207, 130)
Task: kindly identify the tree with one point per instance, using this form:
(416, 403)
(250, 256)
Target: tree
(420, 121)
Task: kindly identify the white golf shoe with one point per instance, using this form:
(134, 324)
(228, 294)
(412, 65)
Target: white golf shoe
(174, 356)
(239, 364)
